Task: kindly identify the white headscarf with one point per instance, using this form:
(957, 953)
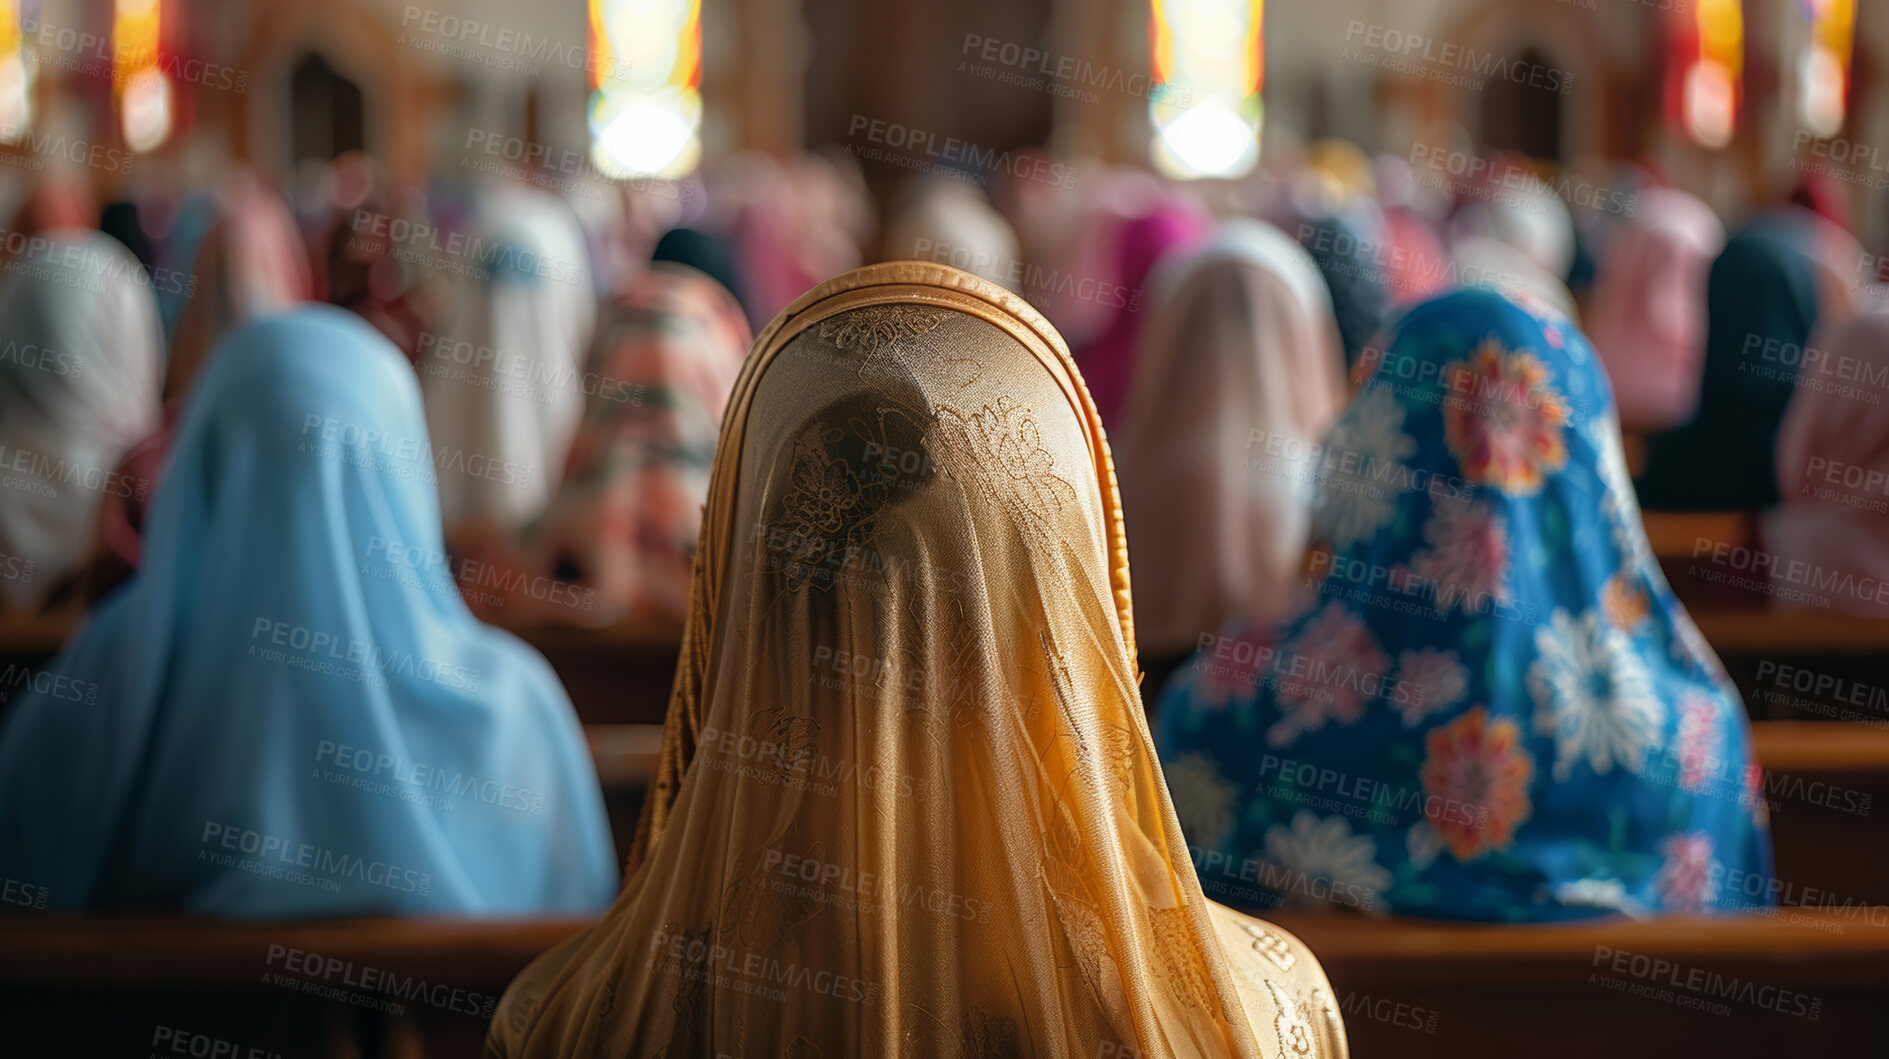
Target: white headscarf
(1239, 374)
(1485, 262)
(951, 223)
(1531, 218)
(504, 380)
(80, 370)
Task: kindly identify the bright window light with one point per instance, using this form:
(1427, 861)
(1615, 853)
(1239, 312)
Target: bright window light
(1209, 60)
(1823, 68)
(645, 72)
(143, 92)
(16, 76)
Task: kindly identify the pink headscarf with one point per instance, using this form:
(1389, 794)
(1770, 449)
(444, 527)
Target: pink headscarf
(1833, 469)
(1241, 372)
(1108, 363)
(1415, 264)
(798, 221)
(1647, 317)
(250, 264)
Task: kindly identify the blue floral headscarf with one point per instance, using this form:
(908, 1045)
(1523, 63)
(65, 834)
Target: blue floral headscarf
(1492, 708)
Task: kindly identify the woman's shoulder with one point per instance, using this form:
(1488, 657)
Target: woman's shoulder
(1284, 990)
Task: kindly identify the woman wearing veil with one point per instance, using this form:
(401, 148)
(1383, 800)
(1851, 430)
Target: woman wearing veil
(906, 804)
(80, 371)
(1647, 318)
(622, 529)
(1493, 708)
(249, 264)
(1832, 461)
(288, 711)
(1764, 296)
(1240, 373)
(503, 376)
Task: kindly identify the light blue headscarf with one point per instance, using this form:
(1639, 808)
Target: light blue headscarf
(1493, 708)
(289, 711)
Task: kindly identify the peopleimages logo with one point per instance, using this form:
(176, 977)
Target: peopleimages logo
(1387, 803)
(1413, 49)
(402, 455)
(172, 1040)
(48, 683)
(43, 472)
(1034, 282)
(791, 761)
(1792, 579)
(1292, 669)
(919, 145)
(371, 765)
(85, 52)
(1790, 362)
(1826, 686)
(1269, 885)
(43, 145)
(300, 862)
(38, 358)
(1326, 464)
(332, 970)
(828, 881)
(22, 894)
(504, 41)
(1388, 1011)
(421, 243)
(1078, 75)
(433, 570)
(696, 959)
(82, 266)
(319, 651)
(516, 374)
(1697, 987)
(1506, 182)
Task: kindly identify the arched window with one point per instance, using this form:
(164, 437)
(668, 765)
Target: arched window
(326, 119)
(1520, 115)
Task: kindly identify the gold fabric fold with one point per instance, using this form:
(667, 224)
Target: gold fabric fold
(907, 803)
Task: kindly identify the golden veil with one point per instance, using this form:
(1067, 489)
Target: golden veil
(907, 803)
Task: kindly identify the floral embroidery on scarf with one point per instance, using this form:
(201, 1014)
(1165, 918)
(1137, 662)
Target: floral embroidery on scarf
(1336, 667)
(1687, 882)
(1698, 741)
(1001, 450)
(1315, 849)
(1592, 691)
(1625, 604)
(1203, 799)
(1505, 423)
(1478, 769)
(1435, 680)
(1289, 1024)
(1352, 507)
(1234, 670)
(1468, 556)
(873, 327)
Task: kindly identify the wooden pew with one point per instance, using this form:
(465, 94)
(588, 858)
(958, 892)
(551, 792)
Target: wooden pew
(1675, 534)
(1407, 987)
(615, 675)
(625, 756)
(1827, 788)
(406, 988)
(1414, 988)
